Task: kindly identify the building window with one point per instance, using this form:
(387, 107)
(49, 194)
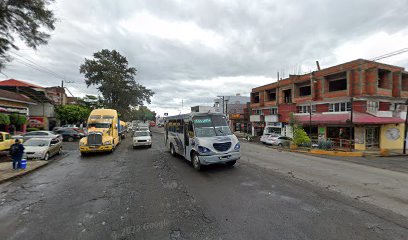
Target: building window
(337, 82)
(287, 96)
(255, 97)
(384, 79)
(273, 111)
(305, 91)
(340, 107)
(271, 95)
(306, 109)
(257, 112)
(372, 106)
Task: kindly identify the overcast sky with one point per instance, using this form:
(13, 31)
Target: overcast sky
(196, 50)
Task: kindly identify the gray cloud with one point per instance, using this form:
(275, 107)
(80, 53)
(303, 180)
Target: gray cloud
(252, 39)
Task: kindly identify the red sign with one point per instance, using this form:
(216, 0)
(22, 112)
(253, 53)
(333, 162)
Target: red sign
(36, 122)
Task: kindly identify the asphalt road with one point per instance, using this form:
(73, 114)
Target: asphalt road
(148, 194)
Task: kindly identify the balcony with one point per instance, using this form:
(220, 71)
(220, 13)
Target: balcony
(272, 118)
(256, 118)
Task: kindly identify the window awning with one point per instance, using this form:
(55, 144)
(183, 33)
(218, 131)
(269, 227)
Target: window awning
(344, 119)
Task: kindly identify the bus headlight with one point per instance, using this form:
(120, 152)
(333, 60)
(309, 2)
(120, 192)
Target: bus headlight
(204, 150)
(107, 143)
(237, 147)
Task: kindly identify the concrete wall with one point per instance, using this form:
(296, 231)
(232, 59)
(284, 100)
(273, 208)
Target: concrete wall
(386, 141)
(42, 109)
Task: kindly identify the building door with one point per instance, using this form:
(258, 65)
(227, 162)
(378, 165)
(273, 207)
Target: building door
(372, 137)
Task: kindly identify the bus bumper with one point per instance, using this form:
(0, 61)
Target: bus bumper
(89, 149)
(219, 158)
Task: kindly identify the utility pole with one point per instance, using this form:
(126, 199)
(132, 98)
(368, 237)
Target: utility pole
(351, 123)
(62, 91)
(405, 129)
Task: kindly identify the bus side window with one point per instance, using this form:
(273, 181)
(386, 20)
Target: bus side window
(190, 130)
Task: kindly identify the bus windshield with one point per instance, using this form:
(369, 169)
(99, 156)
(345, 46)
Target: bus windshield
(211, 126)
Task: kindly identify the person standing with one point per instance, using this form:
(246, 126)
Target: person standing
(16, 152)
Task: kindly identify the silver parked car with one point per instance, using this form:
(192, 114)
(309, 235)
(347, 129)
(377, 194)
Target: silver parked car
(42, 148)
(37, 134)
(278, 141)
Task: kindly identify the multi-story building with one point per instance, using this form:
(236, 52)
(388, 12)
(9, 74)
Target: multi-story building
(222, 103)
(360, 100)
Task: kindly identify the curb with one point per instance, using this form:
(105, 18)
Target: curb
(33, 170)
(22, 174)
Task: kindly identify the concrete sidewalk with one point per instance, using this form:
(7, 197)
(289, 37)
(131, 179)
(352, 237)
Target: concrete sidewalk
(7, 172)
(384, 188)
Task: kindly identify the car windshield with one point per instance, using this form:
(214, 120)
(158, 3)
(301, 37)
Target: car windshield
(99, 125)
(141, 134)
(210, 126)
(37, 142)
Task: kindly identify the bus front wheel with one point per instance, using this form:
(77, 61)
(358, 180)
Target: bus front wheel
(172, 151)
(196, 162)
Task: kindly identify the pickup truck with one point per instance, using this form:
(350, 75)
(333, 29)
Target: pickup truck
(5, 141)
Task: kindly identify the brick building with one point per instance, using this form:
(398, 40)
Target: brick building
(361, 100)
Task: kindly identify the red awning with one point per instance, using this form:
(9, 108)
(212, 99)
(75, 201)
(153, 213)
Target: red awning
(343, 119)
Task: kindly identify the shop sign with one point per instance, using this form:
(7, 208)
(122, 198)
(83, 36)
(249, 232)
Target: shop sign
(36, 122)
(274, 124)
(235, 116)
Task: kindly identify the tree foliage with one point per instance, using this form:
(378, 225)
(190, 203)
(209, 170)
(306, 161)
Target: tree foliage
(92, 102)
(27, 19)
(141, 113)
(109, 71)
(72, 114)
(300, 137)
(17, 119)
(4, 119)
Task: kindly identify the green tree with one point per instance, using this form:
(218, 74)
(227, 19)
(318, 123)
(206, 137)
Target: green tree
(4, 119)
(92, 101)
(72, 114)
(141, 113)
(27, 19)
(109, 70)
(300, 137)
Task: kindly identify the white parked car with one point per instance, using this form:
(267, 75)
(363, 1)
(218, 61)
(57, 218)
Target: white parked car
(266, 136)
(142, 138)
(42, 148)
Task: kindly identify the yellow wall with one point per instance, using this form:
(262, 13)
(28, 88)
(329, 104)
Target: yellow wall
(386, 142)
(359, 138)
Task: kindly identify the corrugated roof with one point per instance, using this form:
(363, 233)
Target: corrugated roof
(15, 96)
(17, 83)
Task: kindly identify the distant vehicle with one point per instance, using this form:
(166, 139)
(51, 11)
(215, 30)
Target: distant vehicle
(280, 141)
(265, 136)
(142, 138)
(69, 126)
(69, 134)
(103, 132)
(152, 124)
(202, 138)
(37, 134)
(42, 148)
(122, 129)
(5, 141)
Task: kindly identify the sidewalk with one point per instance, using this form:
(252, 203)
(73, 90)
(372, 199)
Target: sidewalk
(381, 187)
(7, 172)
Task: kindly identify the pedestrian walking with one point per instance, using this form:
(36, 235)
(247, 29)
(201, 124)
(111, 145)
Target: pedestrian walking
(16, 153)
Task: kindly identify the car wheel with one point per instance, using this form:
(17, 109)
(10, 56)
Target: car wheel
(172, 151)
(196, 162)
(60, 151)
(280, 145)
(83, 154)
(70, 139)
(150, 146)
(47, 156)
(231, 163)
